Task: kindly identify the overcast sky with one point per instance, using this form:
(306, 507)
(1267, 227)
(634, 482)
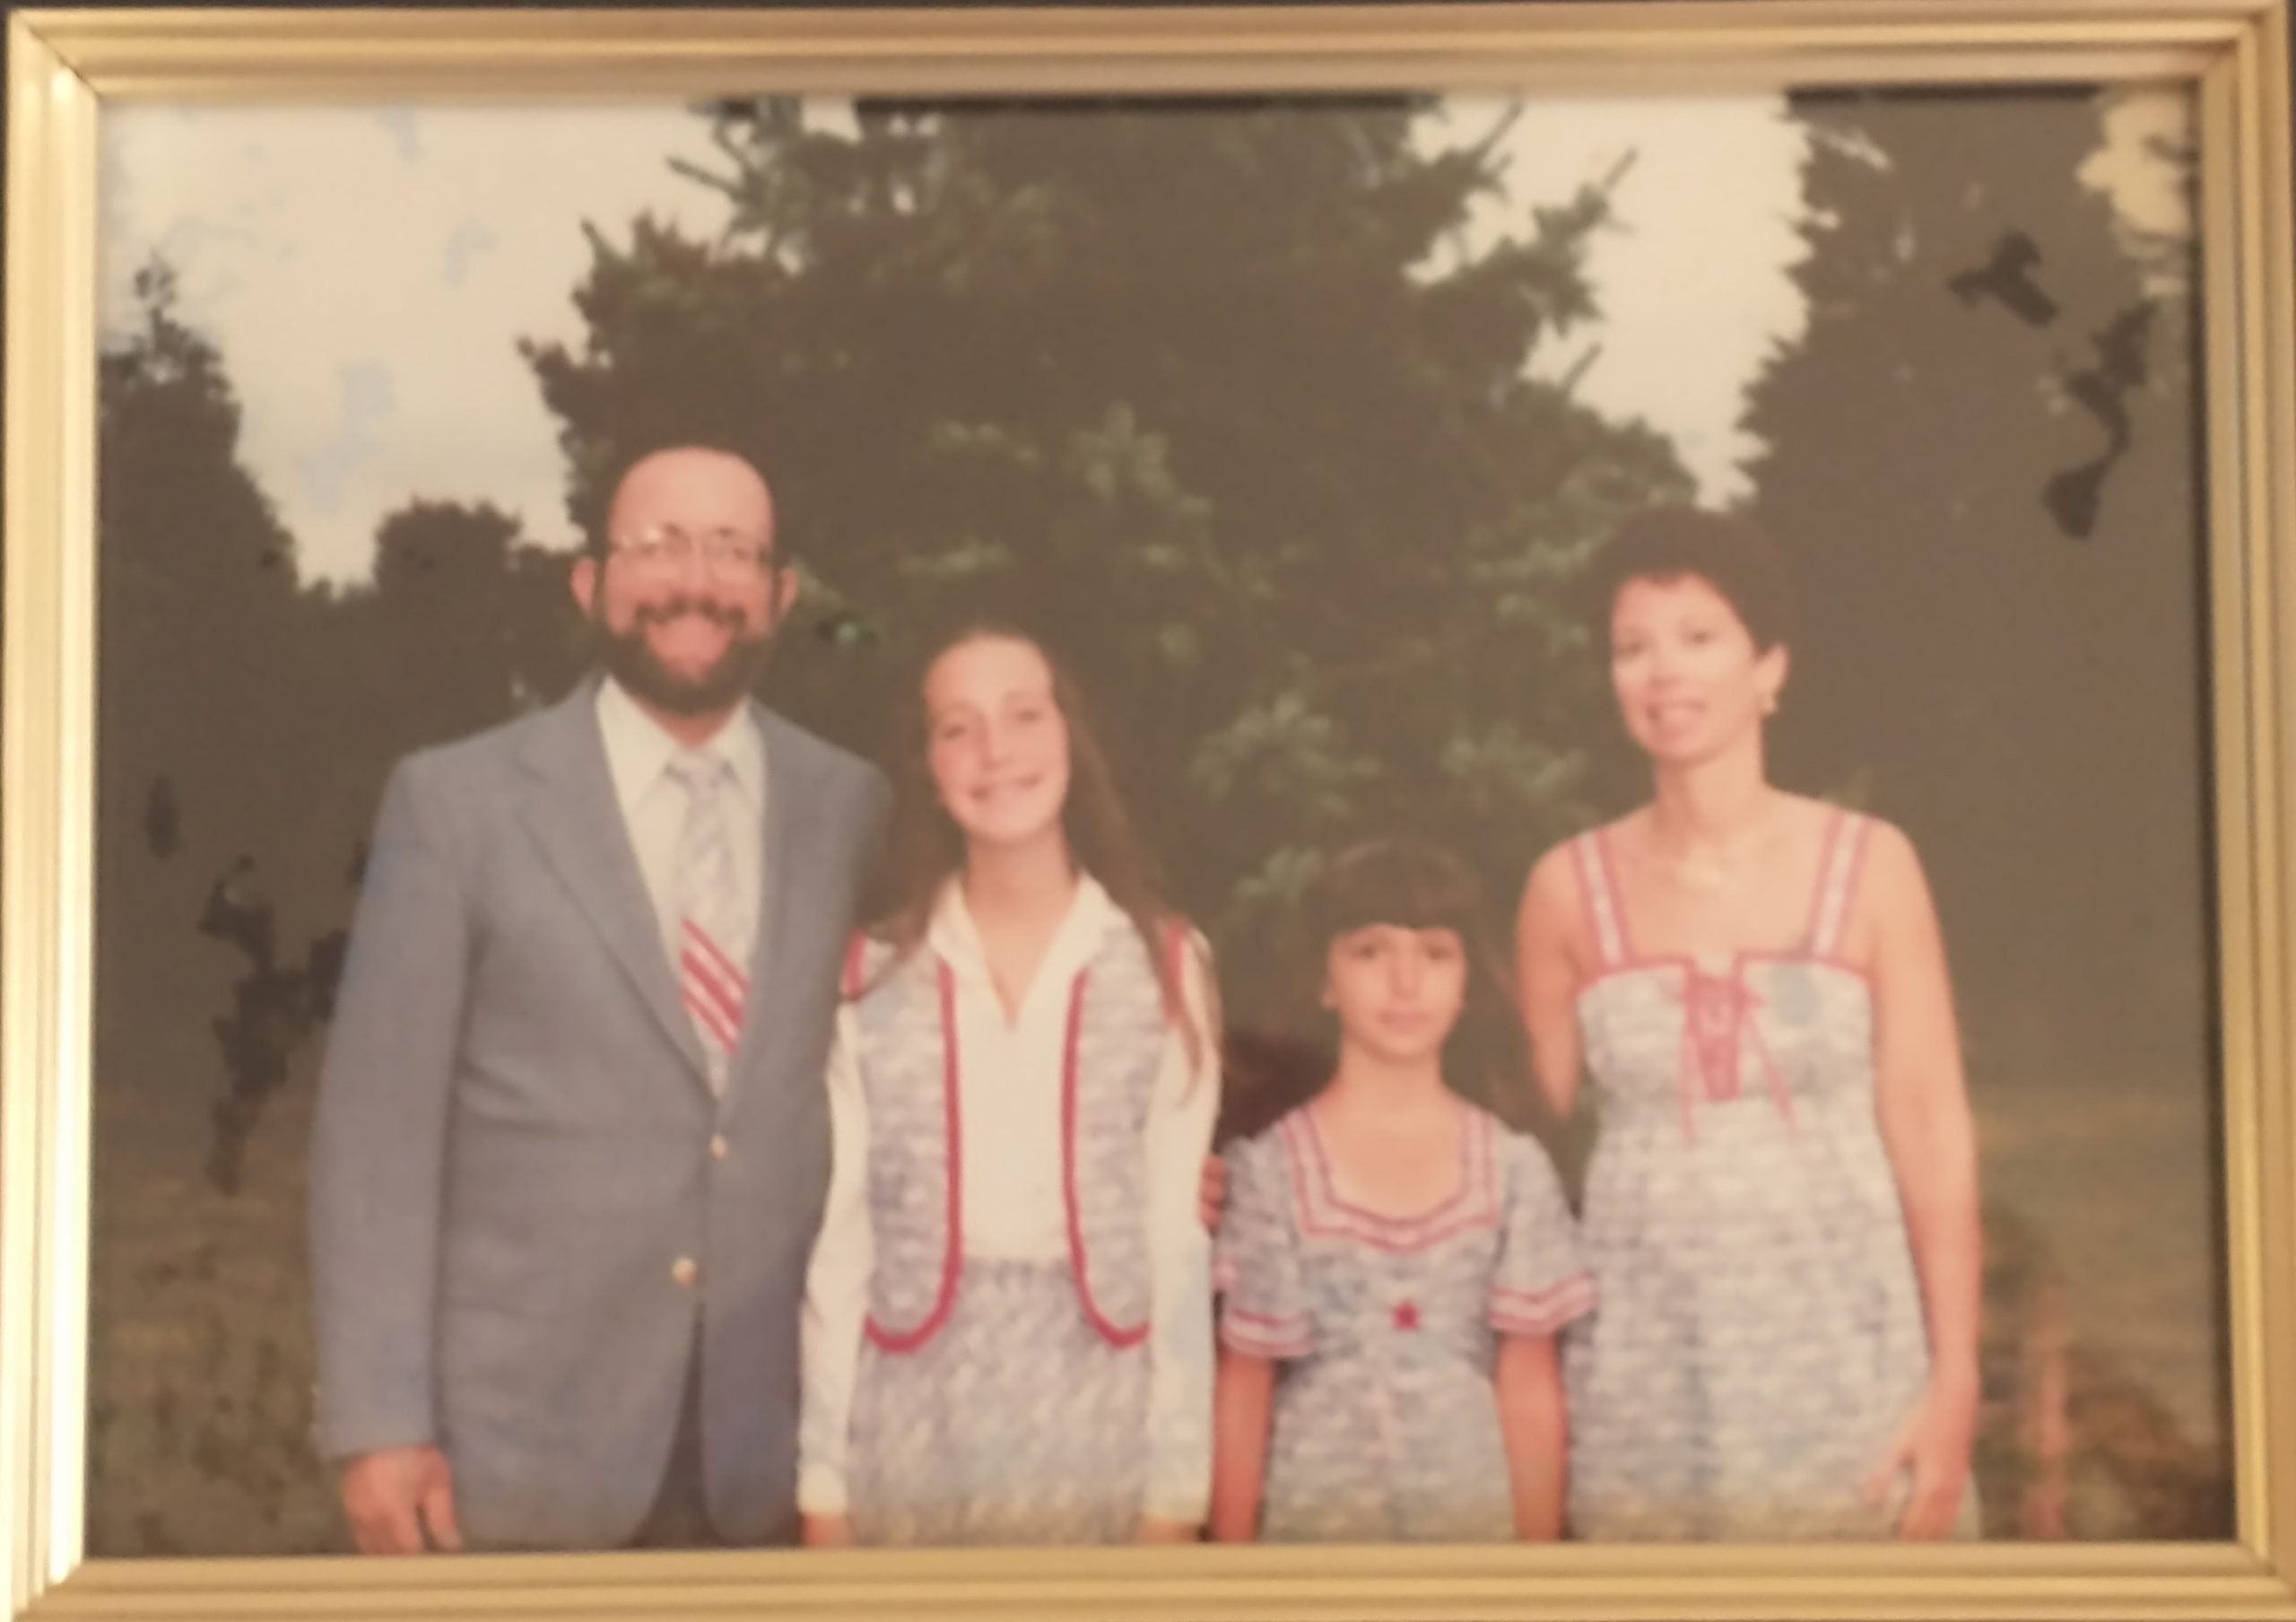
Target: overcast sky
(367, 274)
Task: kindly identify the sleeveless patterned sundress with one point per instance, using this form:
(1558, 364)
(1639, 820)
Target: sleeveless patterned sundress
(1760, 1335)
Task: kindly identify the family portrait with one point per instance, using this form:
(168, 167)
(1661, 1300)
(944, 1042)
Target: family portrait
(1352, 820)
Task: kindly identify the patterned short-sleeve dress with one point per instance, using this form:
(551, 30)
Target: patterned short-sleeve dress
(1761, 1334)
(1386, 1425)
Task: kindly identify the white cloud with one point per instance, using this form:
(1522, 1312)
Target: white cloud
(367, 275)
(1692, 278)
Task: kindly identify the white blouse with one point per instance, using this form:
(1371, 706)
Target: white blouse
(1008, 1089)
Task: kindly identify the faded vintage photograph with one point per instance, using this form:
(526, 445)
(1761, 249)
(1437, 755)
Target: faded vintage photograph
(1430, 819)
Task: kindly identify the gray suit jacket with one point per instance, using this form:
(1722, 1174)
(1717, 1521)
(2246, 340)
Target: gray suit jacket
(516, 1146)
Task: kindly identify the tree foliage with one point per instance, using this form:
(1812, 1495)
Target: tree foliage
(1214, 396)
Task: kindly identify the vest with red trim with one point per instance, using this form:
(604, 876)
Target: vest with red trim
(1113, 1045)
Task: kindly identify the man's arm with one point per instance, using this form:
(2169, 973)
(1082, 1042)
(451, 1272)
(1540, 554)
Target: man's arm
(379, 1153)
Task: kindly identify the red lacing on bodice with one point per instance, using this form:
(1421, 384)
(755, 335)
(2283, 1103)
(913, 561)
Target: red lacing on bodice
(1719, 1010)
(1719, 1013)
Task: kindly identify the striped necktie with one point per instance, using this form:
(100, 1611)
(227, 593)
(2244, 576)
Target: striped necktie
(715, 924)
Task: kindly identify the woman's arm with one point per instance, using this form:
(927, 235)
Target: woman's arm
(1245, 1398)
(837, 1297)
(1923, 1105)
(1181, 1122)
(1547, 975)
(1533, 1423)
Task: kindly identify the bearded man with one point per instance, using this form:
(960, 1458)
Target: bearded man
(572, 1140)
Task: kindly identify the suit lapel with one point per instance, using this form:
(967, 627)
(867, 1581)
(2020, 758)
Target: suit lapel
(791, 808)
(577, 820)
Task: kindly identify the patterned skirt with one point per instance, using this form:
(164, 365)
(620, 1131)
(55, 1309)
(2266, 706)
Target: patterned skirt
(1759, 1336)
(1016, 1424)
(1399, 1449)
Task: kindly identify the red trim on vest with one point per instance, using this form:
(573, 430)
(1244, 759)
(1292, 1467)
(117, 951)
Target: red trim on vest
(1118, 1337)
(953, 1257)
(908, 1340)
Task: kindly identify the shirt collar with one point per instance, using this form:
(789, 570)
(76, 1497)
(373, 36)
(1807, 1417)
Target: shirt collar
(955, 939)
(638, 751)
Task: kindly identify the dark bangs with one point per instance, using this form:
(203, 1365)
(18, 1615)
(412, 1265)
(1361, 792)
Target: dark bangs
(1410, 883)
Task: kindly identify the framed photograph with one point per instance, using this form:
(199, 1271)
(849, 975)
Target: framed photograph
(848, 812)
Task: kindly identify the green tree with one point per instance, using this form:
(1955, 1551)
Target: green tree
(1211, 394)
(466, 622)
(202, 713)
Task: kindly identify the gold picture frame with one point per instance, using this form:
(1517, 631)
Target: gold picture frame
(65, 66)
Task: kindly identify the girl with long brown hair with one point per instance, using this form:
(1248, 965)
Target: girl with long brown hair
(1008, 1334)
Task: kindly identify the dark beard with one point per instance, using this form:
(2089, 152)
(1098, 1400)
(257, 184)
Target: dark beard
(629, 661)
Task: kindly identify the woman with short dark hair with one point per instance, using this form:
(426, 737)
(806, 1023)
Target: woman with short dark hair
(1781, 1208)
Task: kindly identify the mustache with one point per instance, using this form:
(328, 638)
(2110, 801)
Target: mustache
(676, 607)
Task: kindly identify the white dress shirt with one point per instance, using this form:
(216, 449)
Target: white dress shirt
(639, 754)
(1008, 1090)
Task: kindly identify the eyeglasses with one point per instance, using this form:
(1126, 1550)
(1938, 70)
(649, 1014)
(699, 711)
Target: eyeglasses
(661, 547)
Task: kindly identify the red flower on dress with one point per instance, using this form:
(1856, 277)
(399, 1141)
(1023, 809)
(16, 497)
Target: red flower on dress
(1407, 1314)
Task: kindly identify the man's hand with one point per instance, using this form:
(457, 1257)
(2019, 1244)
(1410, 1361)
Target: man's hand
(395, 1495)
(1212, 1192)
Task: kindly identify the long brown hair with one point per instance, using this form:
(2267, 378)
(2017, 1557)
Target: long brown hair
(925, 849)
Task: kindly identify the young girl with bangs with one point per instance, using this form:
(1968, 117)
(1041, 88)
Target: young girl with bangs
(1396, 1263)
